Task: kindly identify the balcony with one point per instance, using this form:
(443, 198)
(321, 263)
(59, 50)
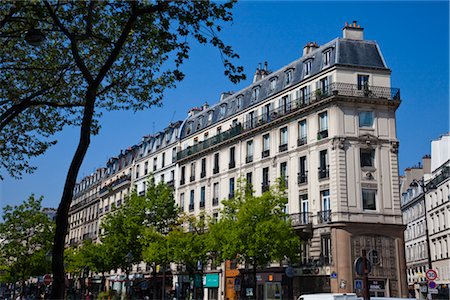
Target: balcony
(171, 183)
(324, 216)
(324, 172)
(265, 153)
(301, 141)
(290, 107)
(322, 134)
(191, 206)
(282, 148)
(302, 178)
(203, 174)
(232, 164)
(300, 219)
(216, 170)
(215, 201)
(265, 187)
(182, 181)
(249, 159)
(192, 178)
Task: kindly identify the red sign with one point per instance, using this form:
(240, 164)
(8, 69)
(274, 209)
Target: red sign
(431, 274)
(48, 279)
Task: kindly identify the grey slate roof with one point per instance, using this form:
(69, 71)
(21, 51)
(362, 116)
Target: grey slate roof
(344, 52)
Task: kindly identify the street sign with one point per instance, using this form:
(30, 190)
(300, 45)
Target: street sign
(358, 284)
(290, 272)
(431, 284)
(433, 291)
(431, 274)
(333, 275)
(358, 264)
(48, 279)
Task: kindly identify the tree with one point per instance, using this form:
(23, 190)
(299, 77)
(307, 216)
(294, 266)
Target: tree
(255, 230)
(92, 57)
(26, 237)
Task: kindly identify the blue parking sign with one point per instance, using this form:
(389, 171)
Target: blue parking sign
(358, 284)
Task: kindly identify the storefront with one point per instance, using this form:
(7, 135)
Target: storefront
(211, 284)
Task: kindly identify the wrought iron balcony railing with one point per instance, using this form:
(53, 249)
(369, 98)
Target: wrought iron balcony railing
(302, 218)
(332, 90)
(192, 178)
(265, 187)
(249, 159)
(324, 216)
(191, 206)
(215, 201)
(302, 178)
(324, 172)
(301, 141)
(322, 134)
(232, 164)
(283, 147)
(265, 153)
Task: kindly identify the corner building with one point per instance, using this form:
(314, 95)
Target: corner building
(326, 124)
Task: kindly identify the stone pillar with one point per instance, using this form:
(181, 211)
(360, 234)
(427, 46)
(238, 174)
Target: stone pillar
(342, 258)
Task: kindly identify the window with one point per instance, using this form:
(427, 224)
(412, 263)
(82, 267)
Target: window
(155, 163)
(191, 201)
(303, 172)
(304, 209)
(266, 145)
(266, 110)
(302, 133)
(192, 178)
(137, 171)
(255, 94)
(265, 179)
(239, 101)
(324, 85)
(367, 157)
(323, 162)
(249, 178)
(323, 125)
(273, 84)
(249, 157)
(174, 154)
(307, 68)
(203, 171)
(363, 82)
(251, 120)
(163, 162)
(283, 139)
(210, 116)
(223, 109)
(162, 177)
(366, 119)
(189, 127)
(219, 129)
(231, 185)
(172, 175)
(202, 196)
(284, 105)
(216, 193)
(288, 77)
(199, 122)
(305, 94)
(326, 58)
(325, 249)
(183, 175)
(369, 199)
(284, 174)
(146, 168)
(325, 214)
(232, 163)
(216, 163)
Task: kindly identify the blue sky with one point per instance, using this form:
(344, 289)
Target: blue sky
(413, 37)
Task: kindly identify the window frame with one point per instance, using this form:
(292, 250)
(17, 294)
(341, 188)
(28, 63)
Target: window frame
(363, 200)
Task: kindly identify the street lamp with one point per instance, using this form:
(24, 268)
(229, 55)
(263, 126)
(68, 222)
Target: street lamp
(34, 37)
(128, 259)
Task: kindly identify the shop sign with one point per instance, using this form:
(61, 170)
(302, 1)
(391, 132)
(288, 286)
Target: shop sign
(376, 284)
(211, 280)
(433, 291)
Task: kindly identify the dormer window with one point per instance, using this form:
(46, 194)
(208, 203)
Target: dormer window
(273, 84)
(326, 58)
(255, 93)
(223, 109)
(239, 102)
(210, 116)
(288, 77)
(307, 68)
(189, 127)
(199, 122)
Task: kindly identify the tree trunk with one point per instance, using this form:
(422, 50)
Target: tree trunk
(155, 287)
(164, 283)
(62, 223)
(254, 280)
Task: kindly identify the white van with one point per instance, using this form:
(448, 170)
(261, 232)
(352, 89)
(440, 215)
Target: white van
(324, 296)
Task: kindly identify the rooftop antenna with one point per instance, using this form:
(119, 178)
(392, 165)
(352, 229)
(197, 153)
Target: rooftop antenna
(173, 116)
(153, 127)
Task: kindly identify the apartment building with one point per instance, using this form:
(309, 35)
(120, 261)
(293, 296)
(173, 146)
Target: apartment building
(325, 123)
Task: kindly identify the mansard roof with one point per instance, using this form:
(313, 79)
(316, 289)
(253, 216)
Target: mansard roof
(344, 52)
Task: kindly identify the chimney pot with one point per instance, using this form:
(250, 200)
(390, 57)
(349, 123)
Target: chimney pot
(353, 31)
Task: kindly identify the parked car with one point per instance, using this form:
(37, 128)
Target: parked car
(328, 296)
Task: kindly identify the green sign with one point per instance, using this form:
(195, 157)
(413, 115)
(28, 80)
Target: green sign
(211, 281)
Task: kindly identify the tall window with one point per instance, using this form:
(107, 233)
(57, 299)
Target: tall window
(249, 178)
(265, 180)
(210, 116)
(137, 171)
(283, 138)
(324, 83)
(326, 58)
(155, 163)
(202, 196)
(323, 164)
(266, 145)
(192, 178)
(239, 102)
(146, 168)
(174, 154)
(323, 125)
(284, 174)
(366, 119)
(255, 93)
(215, 193)
(273, 84)
(363, 82)
(183, 175)
(232, 163)
(367, 157)
(203, 171)
(231, 185)
(284, 105)
(251, 119)
(163, 162)
(325, 214)
(249, 157)
(191, 201)
(182, 201)
(369, 199)
(304, 209)
(223, 109)
(325, 249)
(302, 133)
(216, 163)
(266, 112)
(307, 68)
(288, 77)
(305, 93)
(303, 173)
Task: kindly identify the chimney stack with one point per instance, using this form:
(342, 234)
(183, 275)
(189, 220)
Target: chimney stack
(261, 72)
(309, 47)
(353, 31)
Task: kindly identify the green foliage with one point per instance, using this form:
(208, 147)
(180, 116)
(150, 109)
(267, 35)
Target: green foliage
(26, 237)
(255, 229)
(91, 255)
(110, 55)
